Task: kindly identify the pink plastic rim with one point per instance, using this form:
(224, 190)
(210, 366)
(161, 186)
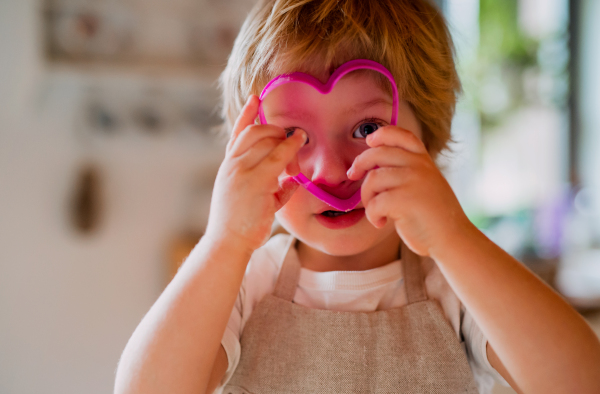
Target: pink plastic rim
(353, 65)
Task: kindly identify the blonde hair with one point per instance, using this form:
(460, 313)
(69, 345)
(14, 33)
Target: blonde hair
(409, 37)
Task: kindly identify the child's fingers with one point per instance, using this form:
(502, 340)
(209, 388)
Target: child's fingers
(382, 180)
(398, 137)
(252, 134)
(276, 162)
(378, 208)
(257, 152)
(246, 118)
(293, 168)
(382, 156)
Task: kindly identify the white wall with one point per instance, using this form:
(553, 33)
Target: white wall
(68, 303)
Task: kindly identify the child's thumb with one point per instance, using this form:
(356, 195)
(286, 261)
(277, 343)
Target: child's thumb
(246, 117)
(293, 167)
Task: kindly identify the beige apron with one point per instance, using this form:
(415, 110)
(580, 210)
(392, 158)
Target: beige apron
(290, 348)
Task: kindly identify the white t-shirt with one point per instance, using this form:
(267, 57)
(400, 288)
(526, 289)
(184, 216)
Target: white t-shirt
(351, 291)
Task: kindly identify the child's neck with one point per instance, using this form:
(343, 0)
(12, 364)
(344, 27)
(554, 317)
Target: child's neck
(379, 255)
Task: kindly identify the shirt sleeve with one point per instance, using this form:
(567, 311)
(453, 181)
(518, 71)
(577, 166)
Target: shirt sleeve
(465, 327)
(259, 280)
(231, 339)
(476, 344)
(231, 344)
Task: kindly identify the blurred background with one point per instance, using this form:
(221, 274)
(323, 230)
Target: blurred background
(108, 153)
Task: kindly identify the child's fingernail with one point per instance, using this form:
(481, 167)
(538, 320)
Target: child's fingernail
(304, 136)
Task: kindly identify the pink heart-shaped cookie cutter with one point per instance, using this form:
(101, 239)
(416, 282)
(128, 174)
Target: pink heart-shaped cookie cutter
(352, 65)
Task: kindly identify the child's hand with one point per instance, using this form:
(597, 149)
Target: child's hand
(408, 188)
(250, 186)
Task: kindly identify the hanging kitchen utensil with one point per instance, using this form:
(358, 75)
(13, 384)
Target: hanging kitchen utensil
(85, 204)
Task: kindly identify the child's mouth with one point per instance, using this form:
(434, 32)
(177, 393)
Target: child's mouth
(333, 214)
(338, 220)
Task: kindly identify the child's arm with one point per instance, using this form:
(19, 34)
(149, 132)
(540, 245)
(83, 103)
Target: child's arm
(538, 342)
(219, 370)
(175, 346)
(543, 344)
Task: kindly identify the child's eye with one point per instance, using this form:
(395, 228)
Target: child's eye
(364, 129)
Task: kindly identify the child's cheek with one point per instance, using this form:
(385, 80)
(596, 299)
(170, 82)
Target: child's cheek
(294, 215)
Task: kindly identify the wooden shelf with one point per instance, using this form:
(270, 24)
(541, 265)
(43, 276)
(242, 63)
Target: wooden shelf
(152, 69)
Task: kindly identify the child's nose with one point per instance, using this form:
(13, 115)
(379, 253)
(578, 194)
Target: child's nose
(329, 166)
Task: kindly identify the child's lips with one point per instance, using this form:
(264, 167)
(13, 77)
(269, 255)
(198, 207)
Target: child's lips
(330, 208)
(343, 220)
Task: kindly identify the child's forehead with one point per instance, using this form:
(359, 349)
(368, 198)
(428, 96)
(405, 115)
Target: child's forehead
(318, 70)
(354, 94)
(360, 78)
(351, 87)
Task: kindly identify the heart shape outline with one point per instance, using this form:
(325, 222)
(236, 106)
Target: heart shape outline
(325, 88)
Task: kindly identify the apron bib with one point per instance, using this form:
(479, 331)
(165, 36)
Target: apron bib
(290, 348)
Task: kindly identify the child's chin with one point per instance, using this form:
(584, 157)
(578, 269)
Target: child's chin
(347, 243)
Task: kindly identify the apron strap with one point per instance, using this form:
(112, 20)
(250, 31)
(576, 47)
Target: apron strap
(288, 278)
(413, 275)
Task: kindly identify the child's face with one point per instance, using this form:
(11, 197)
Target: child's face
(336, 125)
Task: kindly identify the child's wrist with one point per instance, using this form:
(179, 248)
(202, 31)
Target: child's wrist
(228, 241)
(463, 232)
